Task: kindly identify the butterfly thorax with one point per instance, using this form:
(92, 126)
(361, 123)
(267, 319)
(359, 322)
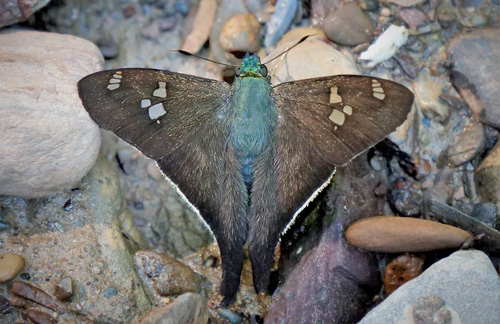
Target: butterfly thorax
(254, 116)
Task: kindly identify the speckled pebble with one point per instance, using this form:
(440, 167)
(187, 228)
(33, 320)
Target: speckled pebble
(404, 234)
(405, 198)
(348, 25)
(241, 33)
(10, 266)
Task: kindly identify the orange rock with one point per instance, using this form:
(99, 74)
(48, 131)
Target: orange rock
(404, 234)
(401, 270)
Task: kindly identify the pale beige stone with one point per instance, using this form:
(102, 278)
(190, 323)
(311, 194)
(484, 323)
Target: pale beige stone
(404, 234)
(48, 140)
(310, 59)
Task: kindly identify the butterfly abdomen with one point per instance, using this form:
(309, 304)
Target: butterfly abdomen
(254, 120)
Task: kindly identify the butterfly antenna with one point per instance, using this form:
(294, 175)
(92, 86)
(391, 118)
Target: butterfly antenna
(202, 58)
(289, 48)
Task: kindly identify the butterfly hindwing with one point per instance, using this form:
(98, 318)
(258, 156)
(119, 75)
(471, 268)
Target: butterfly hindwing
(186, 137)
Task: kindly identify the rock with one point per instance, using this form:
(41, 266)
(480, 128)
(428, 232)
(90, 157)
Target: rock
(412, 17)
(468, 144)
(188, 308)
(431, 309)
(10, 266)
(241, 34)
(485, 212)
(330, 284)
(297, 34)
(37, 295)
(403, 234)
(39, 317)
(446, 18)
(297, 64)
(385, 46)
(446, 280)
(488, 175)
(321, 8)
(472, 75)
(63, 290)
(225, 11)
(281, 20)
(229, 315)
(5, 306)
(401, 270)
(428, 90)
(406, 3)
(13, 11)
(108, 47)
(348, 25)
(167, 23)
(91, 237)
(49, 141)
(405, 198)
(198, 28)
(167, 276)
(369, 5)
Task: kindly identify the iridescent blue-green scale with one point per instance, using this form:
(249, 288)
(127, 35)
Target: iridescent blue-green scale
(254, 120)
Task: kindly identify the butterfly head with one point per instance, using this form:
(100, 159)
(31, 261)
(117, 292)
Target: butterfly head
(251, 67)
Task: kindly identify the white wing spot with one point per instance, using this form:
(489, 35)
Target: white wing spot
(156, 111)
(334, 96)
(114, 82)
(380, 90)
(337, 117)
(145, 103)
(113, 86)
(161, 92)
(379, 96)
(348, 110)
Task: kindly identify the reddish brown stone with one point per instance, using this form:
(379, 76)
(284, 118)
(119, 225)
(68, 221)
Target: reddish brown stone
(401, 270)
(39, 317)
(37, 295)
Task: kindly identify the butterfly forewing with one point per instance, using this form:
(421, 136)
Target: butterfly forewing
(343, 115)
(154, 110)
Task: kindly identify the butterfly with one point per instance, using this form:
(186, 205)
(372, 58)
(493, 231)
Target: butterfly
(247, 157)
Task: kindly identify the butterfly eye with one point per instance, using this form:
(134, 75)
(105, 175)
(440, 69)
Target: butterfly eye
(238, 71)
(263, 70)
